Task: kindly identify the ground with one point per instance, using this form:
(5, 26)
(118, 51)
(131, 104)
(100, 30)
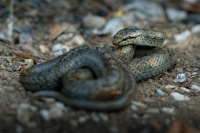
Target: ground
(18, 115)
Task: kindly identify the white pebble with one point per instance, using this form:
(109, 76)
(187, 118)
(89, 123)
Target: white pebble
(160, 92)
(184, 89)
(59, 49)
(179, 97)
(182, 36)
(103, 116)
(93, 21)
(44, 113)
(134, 107)
(83, 119)
(175, 15)
(169, 87)
(195, 28)
(138, 104)
(195, 87)
(168, 110)
(180, 78)
(56, 113)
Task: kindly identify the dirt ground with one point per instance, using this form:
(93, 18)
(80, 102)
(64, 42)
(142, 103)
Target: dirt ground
(144, 119)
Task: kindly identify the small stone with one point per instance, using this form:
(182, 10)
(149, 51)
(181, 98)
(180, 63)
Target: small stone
(195, 29)
(180, 78)
(77, 39)
(44, 49)
(134, 107)
(160, 92)
(83, 119)
(195, 87)
(179, 70)
(184, 89)
(168, 110)
(182, 36)
(25, 38)
(138, 104)
(56, 113)
(59, 49)
(153, 110)
(44, 113)
(95, 117)
(169, 87)
(175, 14)
(93, 21)
(179, 97)
(103, 116)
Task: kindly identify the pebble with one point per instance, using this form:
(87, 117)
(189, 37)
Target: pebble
(78, 39)
(153, 110)
(56, 113)
(195, 28)
(147, 10)
(160, 92)
(168, 110)
(95, 117)
(180, 78)
(25, 38)
(44, 49)
(83, 119)
(134, 107)
(65, 37)
(179, 97)
(195, 87)
(93, 21)
(184, 89)
(112, 26)
(103, 116)
(24, 112)
(182, 36)
(44, 113)
(59, 49)
(175, 14)
(138, 104)
(169, 87)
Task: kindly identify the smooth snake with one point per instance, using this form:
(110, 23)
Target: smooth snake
(80, 77)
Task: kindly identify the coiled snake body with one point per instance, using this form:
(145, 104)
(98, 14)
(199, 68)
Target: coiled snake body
(83, 73)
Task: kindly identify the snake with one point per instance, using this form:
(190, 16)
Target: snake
(81, 77)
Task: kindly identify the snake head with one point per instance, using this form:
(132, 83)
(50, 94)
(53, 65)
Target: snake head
(134, 35)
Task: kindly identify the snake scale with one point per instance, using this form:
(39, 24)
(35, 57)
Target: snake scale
(76, 77)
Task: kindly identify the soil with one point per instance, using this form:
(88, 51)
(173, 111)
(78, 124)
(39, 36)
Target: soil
(185, 116)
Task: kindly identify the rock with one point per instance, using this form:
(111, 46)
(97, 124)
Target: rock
(168, 110)
(195, 87)
(24, 112)
(179, 97)
(44, 113)
(93, 21)
(59, 49)
(134, 107)
(184, 89)
(195, 28)
(44, 49)
(147, 10)
(180, 78)
(56, 113)
(83, 119)
(138, 104)
(160, 92)
(182, 36)
(25, 38)
(103, 116)
(169, 87)
(112, 26)
(153, 110)
(78, 39)
(175, 14)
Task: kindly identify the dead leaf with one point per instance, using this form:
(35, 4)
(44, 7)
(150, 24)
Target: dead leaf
(182, 127)
(56, 30)
(106, 95)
